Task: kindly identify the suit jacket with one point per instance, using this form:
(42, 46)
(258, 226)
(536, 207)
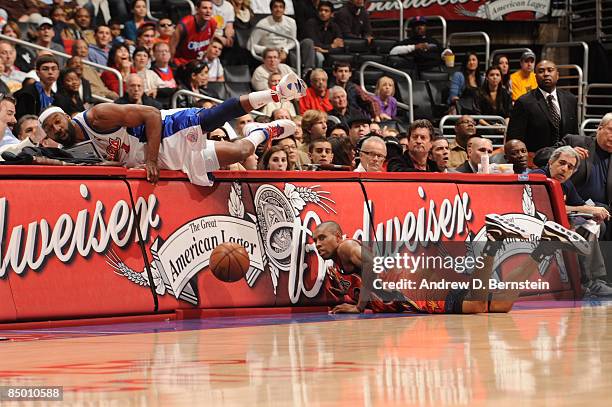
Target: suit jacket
(465, 168)
(530, 120)
(403, 163)
(583, 173)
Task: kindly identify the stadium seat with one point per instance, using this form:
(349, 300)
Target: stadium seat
(219, 88)
(235, 89)
(370, 77)
(438, 93)
(333, 58)
(401, 62)
(237, 73)
(370, 57)
(384, 46)
(433, 76)
(356, 46)
(420, 99)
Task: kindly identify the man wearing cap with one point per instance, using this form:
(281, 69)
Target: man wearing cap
(426, 50)
(45, 34)
(36, 97)
(524, 80)
(359, 126)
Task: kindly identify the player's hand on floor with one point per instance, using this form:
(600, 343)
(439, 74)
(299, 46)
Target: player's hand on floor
(152, 171)
(345, 309)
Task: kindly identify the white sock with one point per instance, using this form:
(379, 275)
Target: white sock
(256, 137)
(262, 98)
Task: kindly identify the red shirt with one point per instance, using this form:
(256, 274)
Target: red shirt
(314, 101)
(194, 40)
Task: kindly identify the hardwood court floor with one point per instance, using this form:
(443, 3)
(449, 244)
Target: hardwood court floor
(555, 356)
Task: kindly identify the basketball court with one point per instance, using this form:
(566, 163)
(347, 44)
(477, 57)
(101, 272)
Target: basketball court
(539, 354)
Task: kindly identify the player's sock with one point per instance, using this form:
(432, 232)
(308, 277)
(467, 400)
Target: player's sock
(257, 133)
(256, 136)
(262, 98)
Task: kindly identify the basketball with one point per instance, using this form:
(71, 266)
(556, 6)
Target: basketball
(229, 262)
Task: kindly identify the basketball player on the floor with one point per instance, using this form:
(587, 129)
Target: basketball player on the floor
(350, 256)
(133, 135)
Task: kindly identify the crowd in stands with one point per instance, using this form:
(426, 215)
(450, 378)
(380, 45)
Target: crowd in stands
(340, 125)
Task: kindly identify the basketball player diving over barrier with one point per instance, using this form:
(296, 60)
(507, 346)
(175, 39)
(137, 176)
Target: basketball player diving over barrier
(352, 257)
(136, 135)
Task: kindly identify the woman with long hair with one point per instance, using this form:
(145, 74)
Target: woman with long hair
(194, 78)
(492, 98)
(118, 58)
(274, 159)
(67, 96)
(139, 15)
(314, 126)
(244, 14)
(503, 63)
(465, 83)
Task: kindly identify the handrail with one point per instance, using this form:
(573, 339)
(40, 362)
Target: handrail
(401, 19)
(501, 123)
(410, 105)
(63, 54)
(474, 34)
(597, 98)
(334, 119)
(585, 54)
(102, 99)
(298, 55)
(580, 96)
(585, 123)
(149, 15)
(442, 23)
(200, 96)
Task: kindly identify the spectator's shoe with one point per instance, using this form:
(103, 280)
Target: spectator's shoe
(555, 237)
(499, 229)
(290, 87)
(598, 288)
(276, 130)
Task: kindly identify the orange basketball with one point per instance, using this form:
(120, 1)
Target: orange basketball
(229, 262)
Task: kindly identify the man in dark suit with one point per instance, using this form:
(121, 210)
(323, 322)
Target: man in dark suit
(477, 148)
(545, 115)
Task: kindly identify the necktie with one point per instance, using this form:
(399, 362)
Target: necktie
(554, 114)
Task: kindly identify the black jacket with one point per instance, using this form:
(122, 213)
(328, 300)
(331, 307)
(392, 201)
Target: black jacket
(403, 163)
(530, 119)
(322, 34)
(28, 101)
(353, 21)
(465, 168)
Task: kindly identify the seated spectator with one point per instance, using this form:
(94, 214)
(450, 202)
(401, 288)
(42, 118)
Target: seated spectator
(515, 153)
(213, 52)
(297, 159)
(145, 37)
(465, 128)
(67, 96)
(299, 133)
(280, 113)
(385, 92)
(503, 63)
(426, 50)
(337, 130)
(150, 79)
(161, 66)
(118, 58)
(28, 133)
(440, 153)
(274, 159)
(323, 31)
(243, 13)
(36, 97)
(357, 97)
(25, 56)
(82, 20)
(241, 122)
(359, 126)
(317, 95)
(272, 107)
(416, 157)
(271, 63)
(342, 150)
(279, 23)
(165, 30)
(372, 155)
(320, 152)
(305, 11)
(314, 126)
(139, 17)
(524, 81)
(193, 34)
(375, 129)
(353, 20)
(464, 84)
(26, 127)
(99, 52)
(80, 51)
(479, 147)
(134, 93)
(85, 86)
(9, 73)
(341, 108)
(7, 121)
(492, 98)
(562, 164)
(195, 80)
(116, 29)
(63, 30)
(403, 142)
(223, 12)
(46, 33)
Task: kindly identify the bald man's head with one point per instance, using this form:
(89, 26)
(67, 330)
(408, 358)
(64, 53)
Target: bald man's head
(515, 152)
(135, 88)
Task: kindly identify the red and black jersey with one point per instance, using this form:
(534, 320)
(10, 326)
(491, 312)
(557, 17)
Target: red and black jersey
(195, 40)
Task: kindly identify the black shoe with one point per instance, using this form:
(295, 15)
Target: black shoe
(556, 237)
(499, 229)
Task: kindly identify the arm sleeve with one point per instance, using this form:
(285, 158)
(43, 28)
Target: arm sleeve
(402, 49)
(456, 86)
(518, 122)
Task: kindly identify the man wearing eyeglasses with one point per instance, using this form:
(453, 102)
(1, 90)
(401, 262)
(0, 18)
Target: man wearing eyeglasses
(372, 155)
(465, 128)
(34, 98)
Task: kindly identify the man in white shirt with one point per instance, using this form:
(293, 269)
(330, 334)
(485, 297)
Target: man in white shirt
(223, 13)
(271, 64)
(215, 69)
(286, 26)
(9, 73)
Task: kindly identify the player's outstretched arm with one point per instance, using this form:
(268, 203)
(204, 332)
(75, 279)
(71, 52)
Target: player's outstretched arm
(109, 116)
(351, 252)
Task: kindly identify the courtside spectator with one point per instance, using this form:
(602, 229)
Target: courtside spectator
(161, 66)
(67, 96)
(274, 159)
(426, 50)
(296, 158)
(151, 80)
(317, 95)
(36, 97)
(118, 58)
(280, 113)
(82, 19)
(195, 79)
(416, 157)
(524, 80)
(145, 37)
(223, 13)
(243, 13)
(359, 126)
(272, 107)
(46, 33)
(353, 20)
(440, 153)
(323, 31)
(343, 151)
(503, 63)
(479, 147)
(545, 115)
(271, 63)
(385, 91)
(338, 130)
(515, 153)
(193, 34)
(85, 86)
(165, 30)
(7, 120)
(215, 69)
(357, 97)
(134, 93)
(314, 126)
(9, 73)
(279, 23)
(25, 56)
(320, 152)
(464, 84)
(492, 98)
(341, 108)
(465, 128)
(241, 122)
(98, 53)
(372, 155)
(80, 51)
